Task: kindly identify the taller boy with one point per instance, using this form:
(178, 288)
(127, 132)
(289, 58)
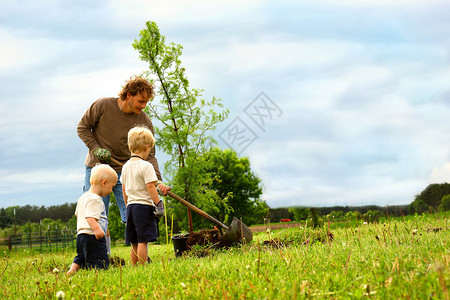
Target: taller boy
(140, 195)
(104, 129)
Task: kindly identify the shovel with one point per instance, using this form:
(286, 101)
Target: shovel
(235, 233)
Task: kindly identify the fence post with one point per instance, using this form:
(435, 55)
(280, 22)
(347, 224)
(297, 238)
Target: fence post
(9, 243)
(64, 237)
(40, 235)
(29, 235)
(15, 244)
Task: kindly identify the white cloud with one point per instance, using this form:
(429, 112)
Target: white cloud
(275, 56)
(440, 174)
(21, 53)
(14, 181)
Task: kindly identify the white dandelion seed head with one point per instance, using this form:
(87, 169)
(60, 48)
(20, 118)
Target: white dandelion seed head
(60, 295)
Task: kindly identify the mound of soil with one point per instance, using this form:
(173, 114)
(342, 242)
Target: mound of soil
(204, 237)
(116, 261)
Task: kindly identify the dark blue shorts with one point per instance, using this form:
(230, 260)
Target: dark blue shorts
(141, 224)
(91, 253)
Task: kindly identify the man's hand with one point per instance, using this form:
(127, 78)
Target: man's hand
(104, 155)
(163, 189)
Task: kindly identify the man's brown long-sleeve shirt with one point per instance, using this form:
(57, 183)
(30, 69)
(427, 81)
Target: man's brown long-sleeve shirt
(104, 125)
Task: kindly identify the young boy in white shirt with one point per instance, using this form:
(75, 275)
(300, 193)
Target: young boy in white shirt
(92, 222)
(140, 194)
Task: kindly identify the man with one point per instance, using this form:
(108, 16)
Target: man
(104, 128)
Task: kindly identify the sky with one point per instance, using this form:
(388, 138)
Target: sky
(335, 103)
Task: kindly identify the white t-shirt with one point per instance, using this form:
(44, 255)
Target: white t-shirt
(135, 175)
(90, 205)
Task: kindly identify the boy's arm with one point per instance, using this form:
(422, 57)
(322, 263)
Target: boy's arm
(125, 196)
(153, 192)
(98, 231)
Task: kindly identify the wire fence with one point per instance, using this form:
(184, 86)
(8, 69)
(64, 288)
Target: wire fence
(48, 241)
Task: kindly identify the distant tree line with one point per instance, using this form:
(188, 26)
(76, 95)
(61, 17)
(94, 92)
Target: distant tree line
(302, 213)
(19, 215)
(434, 197)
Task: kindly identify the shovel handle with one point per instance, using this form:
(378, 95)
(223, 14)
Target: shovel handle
(197, 210)
(112, 159)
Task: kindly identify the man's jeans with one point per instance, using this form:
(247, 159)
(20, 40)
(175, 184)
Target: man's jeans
(117, 190)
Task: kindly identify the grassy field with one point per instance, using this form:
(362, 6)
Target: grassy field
(402, 258)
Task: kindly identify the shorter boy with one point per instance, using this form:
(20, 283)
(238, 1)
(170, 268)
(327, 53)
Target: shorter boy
(140, 194)
(92, 222)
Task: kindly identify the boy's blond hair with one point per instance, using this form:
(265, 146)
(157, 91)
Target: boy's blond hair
(102, 171)
(138, 139)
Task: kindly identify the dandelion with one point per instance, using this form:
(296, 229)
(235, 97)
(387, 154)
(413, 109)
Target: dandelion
(365, 223)
(60, 295)
(414, 231)
(56, 270)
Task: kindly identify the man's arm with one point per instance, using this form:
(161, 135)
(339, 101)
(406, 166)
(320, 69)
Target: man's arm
(152, 159)
(85, 126)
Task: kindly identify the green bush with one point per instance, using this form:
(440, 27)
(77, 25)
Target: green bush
(445, 203)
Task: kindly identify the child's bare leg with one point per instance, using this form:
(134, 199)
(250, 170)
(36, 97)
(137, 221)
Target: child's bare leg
(73, 268)
(142, 252)
(133, 254)
(139, 253)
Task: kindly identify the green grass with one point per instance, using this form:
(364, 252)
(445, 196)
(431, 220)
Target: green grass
(404, 258)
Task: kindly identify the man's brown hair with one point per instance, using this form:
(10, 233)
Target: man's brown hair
(137, 85)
